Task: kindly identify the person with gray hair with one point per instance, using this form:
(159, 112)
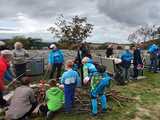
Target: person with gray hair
(5, 59)
(19, 59)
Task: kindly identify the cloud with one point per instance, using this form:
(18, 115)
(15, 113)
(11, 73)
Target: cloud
(113, 19)
(131, 12)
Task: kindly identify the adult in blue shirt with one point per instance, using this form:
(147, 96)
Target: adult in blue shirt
(55, 61)
(70, 79)
(153, 50)
(126, 58)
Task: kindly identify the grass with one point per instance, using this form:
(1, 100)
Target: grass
(146, 105)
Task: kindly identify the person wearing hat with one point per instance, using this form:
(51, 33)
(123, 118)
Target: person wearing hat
(23, 102)
(55, 61)
(126, 58)
(19, 59)
(5, 59)
(70, 79)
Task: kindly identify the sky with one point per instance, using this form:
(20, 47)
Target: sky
(113, 20)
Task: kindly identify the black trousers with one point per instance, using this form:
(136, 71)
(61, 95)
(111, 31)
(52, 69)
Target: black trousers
(20, 69)
(57, 67)
(3, 102)
(135, 71)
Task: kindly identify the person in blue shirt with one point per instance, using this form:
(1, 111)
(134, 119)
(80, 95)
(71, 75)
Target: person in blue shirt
(70, 79)
(126, 58)
(99, 80)
(55, 61)
(153, 50)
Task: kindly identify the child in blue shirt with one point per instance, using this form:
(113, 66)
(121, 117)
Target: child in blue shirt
(70, 79)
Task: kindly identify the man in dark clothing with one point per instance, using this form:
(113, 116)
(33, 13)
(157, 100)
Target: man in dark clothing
(109, 51)
(83, 51)
(137, 61)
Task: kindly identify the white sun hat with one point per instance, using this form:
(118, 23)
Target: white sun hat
(52, 46)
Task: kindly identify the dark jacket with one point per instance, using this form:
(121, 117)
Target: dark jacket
(137, 57)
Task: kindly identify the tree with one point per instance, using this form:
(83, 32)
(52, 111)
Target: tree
(143, 34)
(71, 32)
(28, 43)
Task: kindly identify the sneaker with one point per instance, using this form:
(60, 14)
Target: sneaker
(104, 110)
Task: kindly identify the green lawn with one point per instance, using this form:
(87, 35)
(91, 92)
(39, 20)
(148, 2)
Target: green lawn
(146, 105)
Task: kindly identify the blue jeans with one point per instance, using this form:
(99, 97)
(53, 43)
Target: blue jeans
(69, 91)
(153, 65)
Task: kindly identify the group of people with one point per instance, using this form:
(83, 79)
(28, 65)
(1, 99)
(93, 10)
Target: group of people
(134, 57)
(78, 72)
(61, 91)
(17, 57)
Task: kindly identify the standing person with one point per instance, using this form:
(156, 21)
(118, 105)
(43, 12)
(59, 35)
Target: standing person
(126, 58)
(137, 61)
(109, 51)
(55, 61)
(5, 59)
(83, 51)
(99, 80)
(70, 79)
(153, 50)
(158, 54)
(19, 59)
(23, 102)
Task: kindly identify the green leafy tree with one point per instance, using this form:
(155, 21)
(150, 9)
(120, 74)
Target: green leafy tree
(71, 32)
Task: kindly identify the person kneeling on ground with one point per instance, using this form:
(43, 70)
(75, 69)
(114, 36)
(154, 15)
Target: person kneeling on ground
(23, 102)
(54, 100)
(70, 79)
(99, 81)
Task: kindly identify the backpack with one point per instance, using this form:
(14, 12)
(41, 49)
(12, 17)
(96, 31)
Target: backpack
(100, 68)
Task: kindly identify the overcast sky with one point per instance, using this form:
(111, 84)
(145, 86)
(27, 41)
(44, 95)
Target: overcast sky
(113, 20)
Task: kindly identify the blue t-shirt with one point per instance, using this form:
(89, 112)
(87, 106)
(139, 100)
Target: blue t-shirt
(126, 56)
(55, 56)
(70, 77)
